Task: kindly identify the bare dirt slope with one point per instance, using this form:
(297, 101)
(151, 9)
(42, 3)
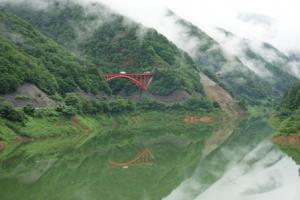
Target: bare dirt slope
(228, 105)
(292, 140)
(29, 93)
(218, 94)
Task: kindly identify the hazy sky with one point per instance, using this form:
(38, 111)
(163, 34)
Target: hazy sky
(274, 21)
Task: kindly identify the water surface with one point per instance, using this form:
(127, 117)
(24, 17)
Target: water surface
(245, 167)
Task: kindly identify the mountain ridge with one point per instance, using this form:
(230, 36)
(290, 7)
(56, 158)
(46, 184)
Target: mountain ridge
(251, 67)
(114, 45)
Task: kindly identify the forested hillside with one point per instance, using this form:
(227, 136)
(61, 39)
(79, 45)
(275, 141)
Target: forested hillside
(114, 43)
(253, 75)
(65, 48)
(29, 56)
(290, 110)
(288, 123)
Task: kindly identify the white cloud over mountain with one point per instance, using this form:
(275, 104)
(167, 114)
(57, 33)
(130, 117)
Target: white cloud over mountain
(264, 20)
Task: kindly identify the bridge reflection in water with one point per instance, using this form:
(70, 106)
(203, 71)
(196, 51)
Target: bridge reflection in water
(143, 157)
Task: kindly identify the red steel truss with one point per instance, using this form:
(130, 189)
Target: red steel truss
(141, 80)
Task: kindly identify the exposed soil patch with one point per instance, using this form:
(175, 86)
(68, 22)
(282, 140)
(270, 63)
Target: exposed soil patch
(228, 105)
(218, 94)
(2, 146)
(74, 122)
(293, 140)
(29, 93)
(225, 101)
(192, 119)
(24, 139)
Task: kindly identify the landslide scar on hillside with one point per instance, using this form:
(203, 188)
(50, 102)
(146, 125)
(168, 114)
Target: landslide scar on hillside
(293, 140)
(228, 105)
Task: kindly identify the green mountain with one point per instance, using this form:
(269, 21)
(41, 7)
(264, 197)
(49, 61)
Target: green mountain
(29, 56)
(114, 43)
(290, 110)
(287, 122)
(253, 73)
(65, 48)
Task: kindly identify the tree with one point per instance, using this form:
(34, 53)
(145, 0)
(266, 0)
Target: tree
(29, 109)
(121, 105)
(67, 111)
(9, 112)
(8, 83)
(89, 107)
(193, 104)
(75, 101)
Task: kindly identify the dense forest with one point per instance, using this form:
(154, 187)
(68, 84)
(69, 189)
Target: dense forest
(29, 56)
(290, 110)
(58, 51)
(114, 43)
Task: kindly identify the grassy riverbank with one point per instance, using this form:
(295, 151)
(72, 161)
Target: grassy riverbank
(287, 122)
(78, 149)
(54, 134)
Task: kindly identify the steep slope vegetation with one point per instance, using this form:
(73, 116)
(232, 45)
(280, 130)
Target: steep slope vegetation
(255, 73)
(114, 43)
(288, 137)
(290, 110)
(294, 63)
(29, 56)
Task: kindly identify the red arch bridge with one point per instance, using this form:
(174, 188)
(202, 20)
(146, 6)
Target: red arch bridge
(141, 80)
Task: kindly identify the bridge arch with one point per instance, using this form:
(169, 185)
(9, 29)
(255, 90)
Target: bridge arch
(141, 80)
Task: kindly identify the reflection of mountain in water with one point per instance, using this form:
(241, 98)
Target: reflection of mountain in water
(243, 168)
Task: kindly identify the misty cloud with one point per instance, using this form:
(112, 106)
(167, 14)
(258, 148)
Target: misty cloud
(294, 68)
(255, 18)
(236, 47)
(282, 30)
(157, 15)
(32, 3)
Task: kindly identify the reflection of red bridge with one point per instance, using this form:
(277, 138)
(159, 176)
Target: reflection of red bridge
(143, 157)
(141, 80)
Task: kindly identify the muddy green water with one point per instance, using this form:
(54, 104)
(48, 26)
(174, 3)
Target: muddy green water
(246, 167)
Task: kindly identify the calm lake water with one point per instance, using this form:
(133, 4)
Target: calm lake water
(246, 167)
